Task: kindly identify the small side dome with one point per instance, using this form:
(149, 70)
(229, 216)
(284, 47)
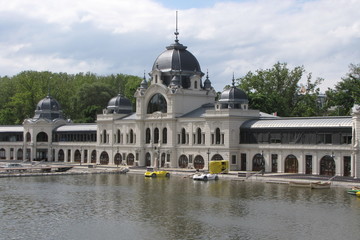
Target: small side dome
(234, 95)
(234, 98)
(48, 108)
(119, 104)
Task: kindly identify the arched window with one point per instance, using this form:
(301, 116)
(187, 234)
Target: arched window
(19, 154)
(148, 159)
(42, 137)
(163, 156)
(77, 156)
(131, 136)
(93, 156)
(117, 159)
(217, 136)
(2, 153)
(164, 135)
(156, 135)
(183, 161)
(61, 155)
(258, 162)
(104, 136)
(198, 133)
(199, 162)
(291, 164)
(104, 158)
(130, 159)
(28, 137)
(118, 136)
(147, 135)
(327, 166)
(183, 136)
(157, 103)
(195, 84)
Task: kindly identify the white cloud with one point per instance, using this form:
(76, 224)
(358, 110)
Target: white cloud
(126, 36)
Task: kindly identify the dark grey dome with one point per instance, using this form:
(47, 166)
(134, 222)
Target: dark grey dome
(48, 108)
(234, 95)
(176, 58)
(119, 104)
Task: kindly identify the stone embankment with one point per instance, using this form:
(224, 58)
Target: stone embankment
(274, 178)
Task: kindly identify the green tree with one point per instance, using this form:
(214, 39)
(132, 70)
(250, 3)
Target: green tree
(277, 90)
(346, 92)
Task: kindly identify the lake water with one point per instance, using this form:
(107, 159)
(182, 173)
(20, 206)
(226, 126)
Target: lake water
(132, 207)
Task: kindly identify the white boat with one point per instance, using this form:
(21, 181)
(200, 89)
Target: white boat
(205, 176)
(320, 185)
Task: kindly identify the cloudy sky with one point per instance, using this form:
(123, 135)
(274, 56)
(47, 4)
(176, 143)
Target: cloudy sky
(234, 36)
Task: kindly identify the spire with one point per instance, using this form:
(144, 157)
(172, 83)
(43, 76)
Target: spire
(207, 83)
(176, 45)
(233, 80)
(176, 29)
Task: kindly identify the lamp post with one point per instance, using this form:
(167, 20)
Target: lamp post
(208, 153)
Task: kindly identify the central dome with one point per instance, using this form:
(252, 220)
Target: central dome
(177, 61)
(176, 58)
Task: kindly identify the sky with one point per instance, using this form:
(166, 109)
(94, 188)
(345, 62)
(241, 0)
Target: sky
(227, 37)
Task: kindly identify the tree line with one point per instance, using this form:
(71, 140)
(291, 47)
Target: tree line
(81, 95)
(84, 95)
(277, 90)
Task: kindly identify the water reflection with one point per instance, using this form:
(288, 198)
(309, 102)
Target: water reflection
(134, 207)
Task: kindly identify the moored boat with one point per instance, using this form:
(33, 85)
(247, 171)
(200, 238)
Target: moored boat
(354, 190)
(320, 185)
(300, 184)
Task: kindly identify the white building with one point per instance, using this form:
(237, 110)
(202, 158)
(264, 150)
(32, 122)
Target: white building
(179, 124)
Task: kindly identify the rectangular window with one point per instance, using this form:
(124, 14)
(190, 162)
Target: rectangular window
(324, 138)
(346, 138)
(243, 162)
(212, 138)
(233, 159)
(275, 138)
(308, 164)
(274, 158)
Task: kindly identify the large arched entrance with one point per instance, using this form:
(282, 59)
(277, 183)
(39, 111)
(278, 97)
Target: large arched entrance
(217, 157)
(258, 163)
(183, 161)
(147, 159)
(117, 159)
(199, 162)
(291, 164)
(327, 166)
(77, 156)
(130, 159)
(104, 158)
(61, 155)
(93, 156)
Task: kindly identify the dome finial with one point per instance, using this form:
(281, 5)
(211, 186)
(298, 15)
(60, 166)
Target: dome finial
(143, 84)
(233, 80)
(176, 28)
